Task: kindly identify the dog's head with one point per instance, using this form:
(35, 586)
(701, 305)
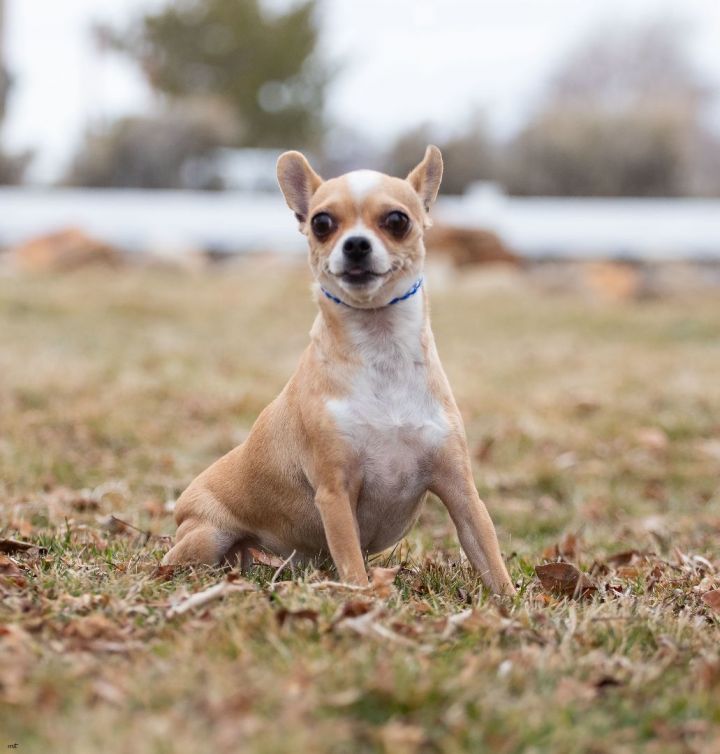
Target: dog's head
(365, 229)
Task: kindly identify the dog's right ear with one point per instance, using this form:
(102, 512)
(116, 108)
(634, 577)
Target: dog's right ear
(298, 182)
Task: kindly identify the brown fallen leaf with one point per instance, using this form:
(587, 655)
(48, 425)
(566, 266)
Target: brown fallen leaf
(381, 580)
(707, 669)
(567, 547)
(653, 438)
(22, 526)
(283, 615)
(104, 691)
(623, 558)
(712, 599)
(628, 572)
(654, 577)
(10, 574)
(10, 546)
(90, 536)
(408, 630)
(265, 558)
(215, 592)
(711, 448)
(570, 690)
(164, 572)
(83, 503)
(94, 626)
(655, 490)
(18, 661)
(400, 738)
(484, 448)
(154, 508)
(116, 525)
(455, 620)
(368, 624)
(419, 606)
(351, 609)
(586, 406)
(564, 580)
(84, 602)
(606, 682)
(343, 698)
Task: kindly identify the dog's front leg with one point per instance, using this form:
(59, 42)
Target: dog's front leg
(453, 483)
(337, 509)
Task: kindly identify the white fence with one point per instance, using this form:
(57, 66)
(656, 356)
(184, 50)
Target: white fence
(174, 221)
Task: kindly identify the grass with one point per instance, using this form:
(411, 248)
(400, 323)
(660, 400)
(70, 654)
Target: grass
(596, 430)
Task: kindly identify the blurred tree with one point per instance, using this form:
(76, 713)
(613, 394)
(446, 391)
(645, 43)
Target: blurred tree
(260, 64)
(469, 156)
(403, 154)
(346, 148)
(12, 166)
(590, 152)
(4, 75)
(616, 68)
(623, 116)
(162, 151)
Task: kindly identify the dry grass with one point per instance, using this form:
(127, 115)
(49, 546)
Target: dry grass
(596, 429)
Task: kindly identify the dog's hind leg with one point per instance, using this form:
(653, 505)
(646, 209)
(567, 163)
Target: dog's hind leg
(207, 533)
(198, 541)
(240, 555)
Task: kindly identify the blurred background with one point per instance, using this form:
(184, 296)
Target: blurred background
(574, 132)
(154, 298)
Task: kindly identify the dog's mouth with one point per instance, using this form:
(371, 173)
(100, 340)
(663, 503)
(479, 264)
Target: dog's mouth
(358, 276)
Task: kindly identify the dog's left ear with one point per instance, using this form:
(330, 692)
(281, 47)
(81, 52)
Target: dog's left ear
(426, 177)
(298, 182)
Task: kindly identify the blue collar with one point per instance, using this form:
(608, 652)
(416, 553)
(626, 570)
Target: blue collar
(413, 290)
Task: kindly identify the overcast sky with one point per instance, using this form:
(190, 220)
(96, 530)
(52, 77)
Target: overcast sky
(404, 61)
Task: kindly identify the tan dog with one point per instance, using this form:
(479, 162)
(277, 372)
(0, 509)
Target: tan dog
(341, 460)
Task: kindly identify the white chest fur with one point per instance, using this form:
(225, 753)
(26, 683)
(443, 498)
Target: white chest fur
(391, 419)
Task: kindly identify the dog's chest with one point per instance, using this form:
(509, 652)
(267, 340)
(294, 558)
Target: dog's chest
(393, 423)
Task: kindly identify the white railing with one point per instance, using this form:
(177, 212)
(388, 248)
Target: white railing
(175, 221)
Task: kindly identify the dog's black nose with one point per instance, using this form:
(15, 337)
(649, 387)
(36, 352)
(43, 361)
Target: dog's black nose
(356, 248)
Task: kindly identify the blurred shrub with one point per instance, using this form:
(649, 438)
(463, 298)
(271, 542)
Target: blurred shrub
(469, 156)
(152, 152)
(704, 164)
(346, 148)
(623, 117)
(572, 151)
(4, 89)
(259, 64)
(12, 167)
(619, 68)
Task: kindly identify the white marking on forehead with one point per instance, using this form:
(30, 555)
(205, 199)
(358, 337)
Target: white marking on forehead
(362, 182)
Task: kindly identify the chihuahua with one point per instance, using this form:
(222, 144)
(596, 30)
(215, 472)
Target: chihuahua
(341, 461)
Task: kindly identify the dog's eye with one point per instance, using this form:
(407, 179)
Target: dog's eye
(322, 225)
(396, 223)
